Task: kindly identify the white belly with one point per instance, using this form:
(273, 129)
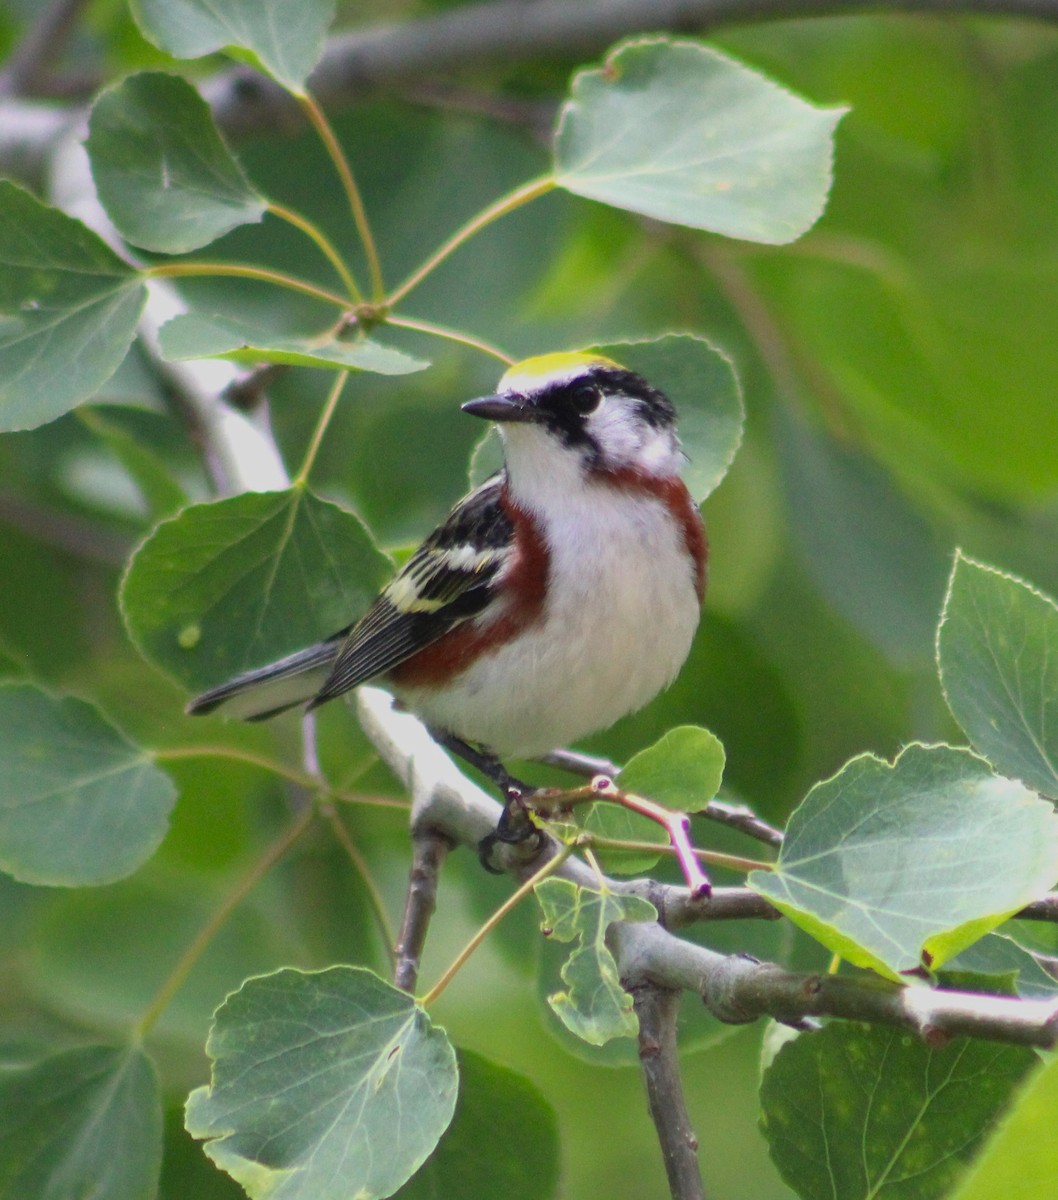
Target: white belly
(617, 626)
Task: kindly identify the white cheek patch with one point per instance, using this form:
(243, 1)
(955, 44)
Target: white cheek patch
(627, 440)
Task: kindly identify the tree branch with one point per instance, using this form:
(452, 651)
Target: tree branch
(736, 988)
(361, 63)
(429, 850)
(656, 1009)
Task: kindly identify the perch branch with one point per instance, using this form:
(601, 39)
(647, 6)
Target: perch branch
(736, 988)
(656, 1008)
(429, 850)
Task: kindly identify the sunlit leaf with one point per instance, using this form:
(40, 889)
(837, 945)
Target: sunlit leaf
(68, 311)
(679, 132)
(285, 36)
(595, 1007)
(885, 863)
(1020, 1159)
(857, 1112)
(330, 1085)
(224, 587)
(79, 803)
(194, 335)
(998, 652)
(683, 771)
(504, 1111)
(85, 1122)
(167, 180)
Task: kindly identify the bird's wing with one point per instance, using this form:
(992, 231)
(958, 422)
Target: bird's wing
(446, 581)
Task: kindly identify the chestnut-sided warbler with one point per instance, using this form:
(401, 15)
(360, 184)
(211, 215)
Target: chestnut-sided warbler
(558, 596)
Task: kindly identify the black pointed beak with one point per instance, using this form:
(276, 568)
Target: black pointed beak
(501, 408)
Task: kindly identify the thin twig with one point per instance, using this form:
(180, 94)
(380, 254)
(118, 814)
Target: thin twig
(745, 820)
(360, 865)
(186, 963)
(429, 850)
(1044, 909)
(657, 1008)
(41, 47)
(676, 825)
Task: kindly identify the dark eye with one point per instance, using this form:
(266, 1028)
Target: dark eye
(585, 398)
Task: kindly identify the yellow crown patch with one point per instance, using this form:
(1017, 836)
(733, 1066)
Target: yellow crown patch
(532, 372)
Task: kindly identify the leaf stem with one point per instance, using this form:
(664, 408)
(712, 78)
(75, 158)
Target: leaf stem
(176, 270)
(186, 963)
(675, 824)
(301, 778)
(323, 242)
(548, 869)
(333, 147)
(503, 206)
(321, 428)
(374, 896)
(452, 335)
(715, 857)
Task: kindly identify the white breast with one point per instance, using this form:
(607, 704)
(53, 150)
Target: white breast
(617, 626)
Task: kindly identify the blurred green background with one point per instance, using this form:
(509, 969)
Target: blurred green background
(900, 368)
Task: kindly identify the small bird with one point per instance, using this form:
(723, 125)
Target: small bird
(560, 595)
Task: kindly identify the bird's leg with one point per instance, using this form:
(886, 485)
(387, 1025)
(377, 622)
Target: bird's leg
(514, 824)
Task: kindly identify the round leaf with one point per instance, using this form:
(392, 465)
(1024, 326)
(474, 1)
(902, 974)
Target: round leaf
(683, 770)
(883, 863)
(329, 1085)
(227, 586)
(194, 335)
(680, 132)
(504, 1111)
(854, 1111)
(285, 36)
(68, 311)
(998, 652)
(166, 179)
(86, 1122)
(701, 381)
(79, 803)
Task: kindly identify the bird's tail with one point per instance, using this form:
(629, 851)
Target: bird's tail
(268, 691)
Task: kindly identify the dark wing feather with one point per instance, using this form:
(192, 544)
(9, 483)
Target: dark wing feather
(446, 581)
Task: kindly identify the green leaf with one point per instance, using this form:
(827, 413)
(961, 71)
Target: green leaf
(608, 820)
(680, 132)
(1020, 1159)
(999, 964)
(683, 771)
(285, 36)
(701, 381)
(596, 1007)
(86, 1122)
(227, 586)
(330, 1085)
(504, 1111)
(166, 179)
(997, 646)
(162, 493)
(68, 311)
(194, 335)
(870, 551)
(856, 1112)
(886, 863)
(79, 803)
